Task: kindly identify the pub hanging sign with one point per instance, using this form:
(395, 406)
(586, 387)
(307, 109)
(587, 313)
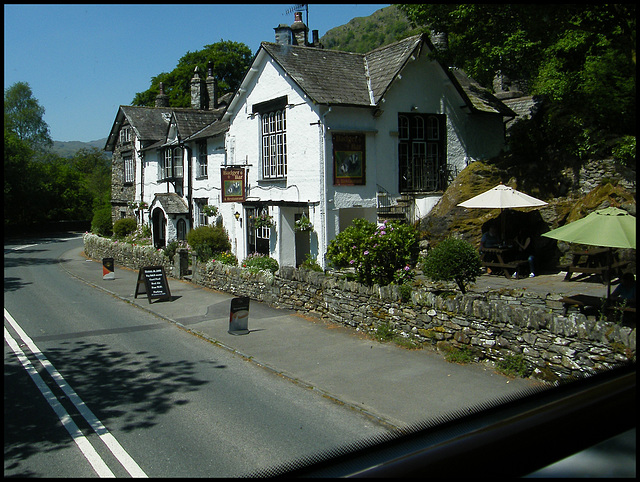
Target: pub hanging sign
(233, 184)
(348, 159)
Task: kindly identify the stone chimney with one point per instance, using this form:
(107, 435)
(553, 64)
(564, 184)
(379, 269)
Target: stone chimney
(315, 41)
(212, 87)
(162, 100)
(283, 34)
(299, 31)
(198, 91)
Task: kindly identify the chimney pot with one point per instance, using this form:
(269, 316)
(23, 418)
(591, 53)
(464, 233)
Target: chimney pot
(299, 30)
(212, 87)
(162, 100)
(198, 91)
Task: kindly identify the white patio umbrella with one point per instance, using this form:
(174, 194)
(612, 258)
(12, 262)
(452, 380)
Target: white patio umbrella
(502, 197)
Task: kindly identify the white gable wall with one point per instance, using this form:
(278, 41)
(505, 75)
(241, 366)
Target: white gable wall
(425, 88)
(303, 181)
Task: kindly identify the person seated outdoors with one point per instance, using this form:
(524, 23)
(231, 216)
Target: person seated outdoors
(626, 290)
(525, 248)
(491, 238)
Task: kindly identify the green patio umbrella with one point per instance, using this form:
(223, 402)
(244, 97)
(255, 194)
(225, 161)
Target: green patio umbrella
(610, 227)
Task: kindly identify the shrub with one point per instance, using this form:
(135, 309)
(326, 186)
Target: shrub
(380, 254)
(101, 223)
(124, 227)
(172, 248)
(311, 264)
(452, 260)
(260, 262)
(514, 365)
(208, 240)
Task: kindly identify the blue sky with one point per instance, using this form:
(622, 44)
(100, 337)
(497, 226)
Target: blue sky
(83, 61)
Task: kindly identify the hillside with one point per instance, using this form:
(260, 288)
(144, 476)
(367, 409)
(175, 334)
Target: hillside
(363, 34)
(69, 148)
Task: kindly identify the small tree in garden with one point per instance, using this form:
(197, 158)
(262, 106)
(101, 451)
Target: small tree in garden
(380, 254)
(208, 240)
(453, 260)
(123, 227)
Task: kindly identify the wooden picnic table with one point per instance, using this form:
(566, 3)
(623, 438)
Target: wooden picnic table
(588, 304)
(594, 261)
(498, 260)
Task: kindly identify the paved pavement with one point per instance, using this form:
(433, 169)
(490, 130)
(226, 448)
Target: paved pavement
(395, 386)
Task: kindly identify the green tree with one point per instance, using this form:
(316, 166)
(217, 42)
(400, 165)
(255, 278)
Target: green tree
(231, 60)
(23, 115)
(19, 176)
(579, 57)
(95, 170)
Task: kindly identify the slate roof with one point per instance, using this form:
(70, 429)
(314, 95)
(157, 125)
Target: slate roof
(151, 124)
(190, 121)
(327, 76)
(215, 129)
(334, 77)
(172, 203)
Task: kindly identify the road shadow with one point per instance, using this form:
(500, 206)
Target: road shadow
(126, 391)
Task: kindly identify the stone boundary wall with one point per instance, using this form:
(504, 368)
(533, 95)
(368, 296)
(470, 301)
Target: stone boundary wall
(125, 254)
(494, 325)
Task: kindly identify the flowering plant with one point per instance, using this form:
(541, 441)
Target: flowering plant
(263, 221)
(138, 206)
(303, 224)
(379, 254)
(209, 210)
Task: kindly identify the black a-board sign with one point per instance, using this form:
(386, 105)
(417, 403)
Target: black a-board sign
(152, 280)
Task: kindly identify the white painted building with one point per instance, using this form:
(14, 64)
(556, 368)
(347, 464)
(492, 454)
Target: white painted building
(329, 135)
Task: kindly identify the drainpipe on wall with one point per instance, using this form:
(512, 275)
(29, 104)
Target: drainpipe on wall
(189, 187)
(323, 175)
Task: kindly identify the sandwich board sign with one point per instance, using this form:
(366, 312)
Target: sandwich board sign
(239, 316)
(108, 268)
(152, 280)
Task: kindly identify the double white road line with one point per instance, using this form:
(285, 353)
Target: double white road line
(81, 441)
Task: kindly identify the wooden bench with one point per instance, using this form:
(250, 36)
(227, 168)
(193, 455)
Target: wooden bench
(504, 267)
(616, 268)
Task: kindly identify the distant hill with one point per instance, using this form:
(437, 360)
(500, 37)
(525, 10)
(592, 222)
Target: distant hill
(69, 148)
(363, 34)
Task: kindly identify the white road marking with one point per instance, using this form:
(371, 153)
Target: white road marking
(109, 440)
(81, 441)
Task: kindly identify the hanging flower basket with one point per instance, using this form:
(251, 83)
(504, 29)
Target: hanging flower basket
(209, 211)
(138, 206)
(263, 221)
(303, 224)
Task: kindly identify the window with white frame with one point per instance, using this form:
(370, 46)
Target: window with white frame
(128, 169)
(125, 134)
(171, 168)
(203, 169)
(273, 132)
(274, 145)
(201, 217)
